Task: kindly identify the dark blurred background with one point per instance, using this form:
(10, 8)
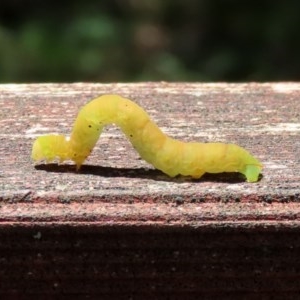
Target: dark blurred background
(139, 40)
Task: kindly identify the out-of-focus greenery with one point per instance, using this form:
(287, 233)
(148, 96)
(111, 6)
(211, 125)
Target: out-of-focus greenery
(134, 40)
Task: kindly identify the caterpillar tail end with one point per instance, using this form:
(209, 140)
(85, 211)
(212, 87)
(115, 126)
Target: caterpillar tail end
(49, 148)
(37, 151)
(252, 172)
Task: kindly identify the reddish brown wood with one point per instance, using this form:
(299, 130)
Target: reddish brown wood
(119, 229)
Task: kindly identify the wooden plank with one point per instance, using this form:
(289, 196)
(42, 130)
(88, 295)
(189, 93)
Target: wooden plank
(120, 228)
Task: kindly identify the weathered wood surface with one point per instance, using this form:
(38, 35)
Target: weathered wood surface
(121, 214)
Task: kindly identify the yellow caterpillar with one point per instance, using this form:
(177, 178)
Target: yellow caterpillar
(171, 156)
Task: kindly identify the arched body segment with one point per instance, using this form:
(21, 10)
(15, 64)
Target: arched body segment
(171, 156)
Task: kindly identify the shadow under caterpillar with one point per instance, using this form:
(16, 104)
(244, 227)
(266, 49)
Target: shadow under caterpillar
(171, 156)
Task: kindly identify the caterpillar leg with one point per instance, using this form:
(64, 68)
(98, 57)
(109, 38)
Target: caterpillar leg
(197, 175)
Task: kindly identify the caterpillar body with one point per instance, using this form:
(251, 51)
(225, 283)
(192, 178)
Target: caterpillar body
(171, 156)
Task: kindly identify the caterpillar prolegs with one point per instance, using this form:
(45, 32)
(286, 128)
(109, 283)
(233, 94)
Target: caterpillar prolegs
(171, 156)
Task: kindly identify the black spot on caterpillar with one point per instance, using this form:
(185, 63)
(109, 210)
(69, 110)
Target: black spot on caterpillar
(171, 156)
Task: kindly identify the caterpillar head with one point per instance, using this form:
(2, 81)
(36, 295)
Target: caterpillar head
(252, 172)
